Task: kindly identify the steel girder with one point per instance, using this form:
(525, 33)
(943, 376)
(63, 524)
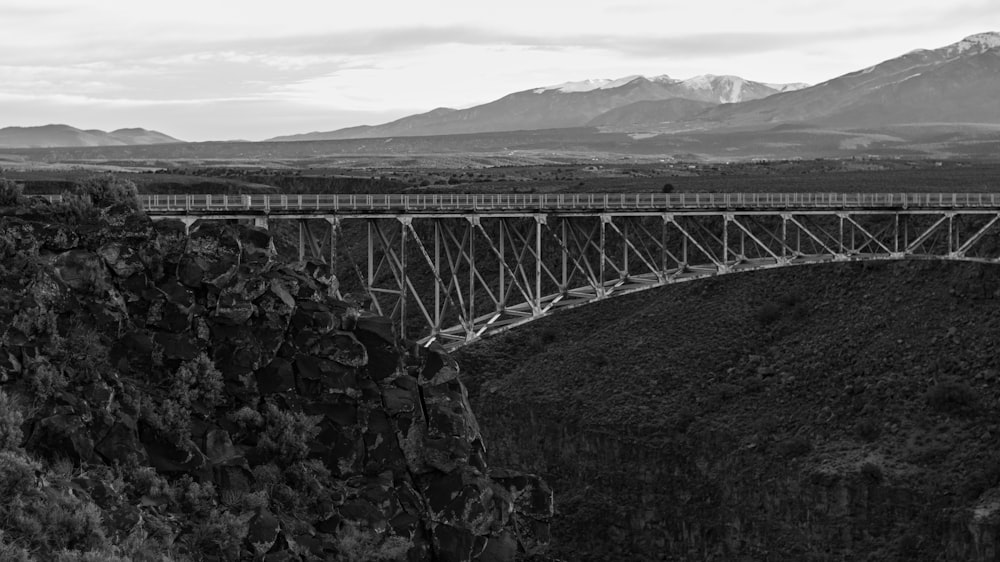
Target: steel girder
(455, 279)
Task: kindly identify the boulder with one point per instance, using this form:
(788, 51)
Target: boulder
(81, 270)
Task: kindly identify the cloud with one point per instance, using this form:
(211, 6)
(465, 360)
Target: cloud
(35, 9)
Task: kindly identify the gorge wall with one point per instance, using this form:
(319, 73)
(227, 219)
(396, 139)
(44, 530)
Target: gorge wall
(836, 412)
(176, 397)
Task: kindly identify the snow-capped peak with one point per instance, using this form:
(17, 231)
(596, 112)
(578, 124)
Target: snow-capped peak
(663, 79)
(588, 85)
(731, 86)
(989, 40)
(787, 87)
(973, 44)
(706, 81)
(724, 88)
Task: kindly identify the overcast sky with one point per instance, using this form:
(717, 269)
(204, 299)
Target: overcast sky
(249, 69)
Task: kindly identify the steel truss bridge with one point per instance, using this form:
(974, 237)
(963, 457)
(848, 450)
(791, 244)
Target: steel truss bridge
(454, 268)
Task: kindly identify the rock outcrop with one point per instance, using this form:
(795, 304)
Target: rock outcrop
(234, 394)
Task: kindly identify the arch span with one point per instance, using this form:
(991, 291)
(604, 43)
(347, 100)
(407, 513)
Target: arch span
(454, 268)
(458, 279)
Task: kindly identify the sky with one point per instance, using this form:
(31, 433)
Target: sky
(246, 69)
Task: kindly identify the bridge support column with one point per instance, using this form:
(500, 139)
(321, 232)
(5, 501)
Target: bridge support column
(404, 223)
(785, 249)
(537, 306)
(841, 255)
(564, 250)
(302, 240)
(260, 222)
(724, 266)
(334, 223)
(188, 221)
(602, 256)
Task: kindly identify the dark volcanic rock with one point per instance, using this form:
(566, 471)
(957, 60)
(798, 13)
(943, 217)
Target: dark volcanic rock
(294, 417)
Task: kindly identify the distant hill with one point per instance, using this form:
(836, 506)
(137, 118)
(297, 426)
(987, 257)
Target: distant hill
(65, 136)
(573, 104)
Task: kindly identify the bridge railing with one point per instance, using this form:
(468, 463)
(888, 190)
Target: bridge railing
(460, 202)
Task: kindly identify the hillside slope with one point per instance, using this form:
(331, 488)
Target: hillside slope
(842, 411)
(170, 397)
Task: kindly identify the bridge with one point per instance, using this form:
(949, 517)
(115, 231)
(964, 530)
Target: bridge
(453, 268)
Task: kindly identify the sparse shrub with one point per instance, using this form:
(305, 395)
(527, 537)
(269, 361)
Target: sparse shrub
(599, 360)
(726, 391)
(195, 497)
(309, 477)
(67, 522)
(44, 379)
(355, 544)
(868, 429)
(11, 193)
(539, 339)
(549, 335)
(73, 208)
(909, 546)
(17, 476)
(800, 311)
(107, 191)
(952, 397)
(40, 323)
(796, 446)
(287, 434)
(146, 481)
(768, 314)
(102, 555)
(220, 535)
(266, 475)
(788, 300)
(872, 472)
(196, 386)
(683, 418)
(84, 350)
(12, 552)
(247, 418)
(11, 419)
(985, 477)
(84, 203)
(42, 518)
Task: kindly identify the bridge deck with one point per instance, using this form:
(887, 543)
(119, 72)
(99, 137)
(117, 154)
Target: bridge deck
(458, 267)
(561, 202)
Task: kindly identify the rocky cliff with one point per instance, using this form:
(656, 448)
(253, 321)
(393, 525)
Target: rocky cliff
(173, 397)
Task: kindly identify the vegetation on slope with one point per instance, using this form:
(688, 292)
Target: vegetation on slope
(171, 397)
(828, 412)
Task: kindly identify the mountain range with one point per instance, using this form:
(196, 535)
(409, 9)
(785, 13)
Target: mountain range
(573, 104)
(902, 105)
(957, 83)
(48, 136)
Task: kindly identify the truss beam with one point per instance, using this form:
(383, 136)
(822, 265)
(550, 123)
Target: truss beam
(455, 277)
